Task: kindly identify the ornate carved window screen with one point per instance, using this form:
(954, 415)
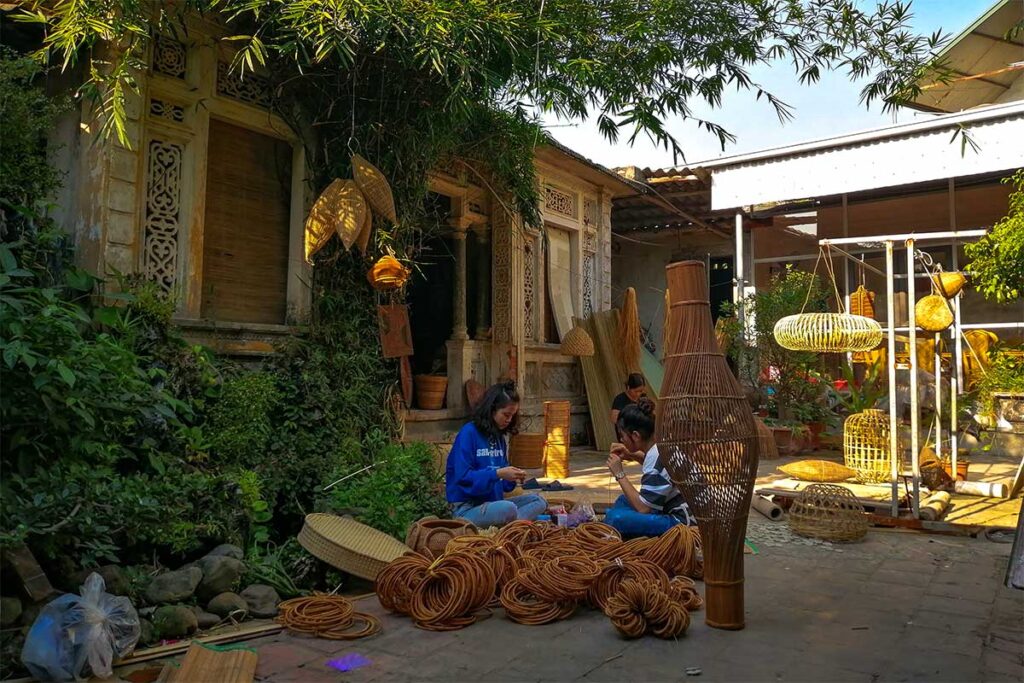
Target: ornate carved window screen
(560, 202)
(251, 89)
(169, 57)
(162, 213)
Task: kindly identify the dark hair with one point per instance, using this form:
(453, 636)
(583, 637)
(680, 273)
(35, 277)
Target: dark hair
(635, 381)
(637, 417)
(495, 398)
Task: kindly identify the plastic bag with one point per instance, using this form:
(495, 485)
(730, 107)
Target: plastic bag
(74, 632)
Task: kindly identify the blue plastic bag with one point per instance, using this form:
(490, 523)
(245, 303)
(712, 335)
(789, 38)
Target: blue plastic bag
(76, 633)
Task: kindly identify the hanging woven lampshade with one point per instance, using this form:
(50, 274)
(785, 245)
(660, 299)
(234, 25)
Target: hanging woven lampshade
(828, 332)
(577, 342)
(932, 313)
(387, 273)
(949, 284)
(375, 187)
(320, 224)
(866, 447)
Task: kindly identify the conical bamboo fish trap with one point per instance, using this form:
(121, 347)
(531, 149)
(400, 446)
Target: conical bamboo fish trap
(828, 332)
(375, 187)
(320, 224)
(350, 212)
(708, 440)
(577, 342)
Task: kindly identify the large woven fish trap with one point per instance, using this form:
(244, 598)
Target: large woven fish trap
(866, 446)
(708, 440)
(828, 332)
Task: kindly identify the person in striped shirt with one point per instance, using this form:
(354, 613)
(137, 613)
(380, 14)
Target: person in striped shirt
(657, 505)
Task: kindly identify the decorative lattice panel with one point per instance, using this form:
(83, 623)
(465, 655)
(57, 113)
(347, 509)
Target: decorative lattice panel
(560, 202)
(590, 212)
(167, 111)
(162, 213)
(589, 264)
(561, 379)
(251, 89)
(169, 57)
(529, 289)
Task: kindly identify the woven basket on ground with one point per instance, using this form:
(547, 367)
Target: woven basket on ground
(556, 444)
(577, 342)
(429, 536)
(828, 332)
(375, 187)
(949, 284)
(348, 545)
(828, 512)
(527, 451)
(765, 441)
(866, 447)
(387, 273)
(818, 470)
(932, 313)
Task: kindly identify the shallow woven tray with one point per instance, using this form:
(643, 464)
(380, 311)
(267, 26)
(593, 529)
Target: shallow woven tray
(348, 545)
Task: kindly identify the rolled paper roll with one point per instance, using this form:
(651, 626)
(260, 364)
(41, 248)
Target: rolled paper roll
(767, 508)
(982, 489)
(934, 506)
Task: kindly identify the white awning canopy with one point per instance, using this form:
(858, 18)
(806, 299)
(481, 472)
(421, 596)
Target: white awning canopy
(904, 154)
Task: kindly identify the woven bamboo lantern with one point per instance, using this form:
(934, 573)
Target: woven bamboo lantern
(375, 187)
(708, 440)
(949, 284)
(828, 332)
(932, 313)
(387, 273)
(577, 342)
(828, 512)
(320, 224)
(557, 421)
(866, 448)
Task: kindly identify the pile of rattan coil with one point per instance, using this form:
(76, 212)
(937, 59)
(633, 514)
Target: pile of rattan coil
(326, 616)
(540, 573)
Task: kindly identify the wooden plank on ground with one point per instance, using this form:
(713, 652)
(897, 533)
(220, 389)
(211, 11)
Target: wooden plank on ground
(878, 507)
(231, 634)
(938, 527)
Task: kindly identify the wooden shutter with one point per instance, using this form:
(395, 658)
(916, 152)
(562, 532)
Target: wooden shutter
(245, 238)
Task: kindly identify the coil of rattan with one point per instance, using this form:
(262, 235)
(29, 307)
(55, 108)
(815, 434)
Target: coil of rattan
(607, 583)
(326, 616)
(639, 607)
(828, 512)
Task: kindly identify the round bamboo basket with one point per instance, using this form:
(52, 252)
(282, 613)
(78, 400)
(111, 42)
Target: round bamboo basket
(577, 343)
(818, 470)
(430, 391)
(828, 512)
(828, 332)
(348, 545)
(932, 313)
(387, 273)
(375, 187)
(527, 451)
(866, 447)
(429, 536)
(949, 284)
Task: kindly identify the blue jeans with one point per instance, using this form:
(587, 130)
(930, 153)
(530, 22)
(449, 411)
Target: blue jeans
(631, 523)
(501, 512)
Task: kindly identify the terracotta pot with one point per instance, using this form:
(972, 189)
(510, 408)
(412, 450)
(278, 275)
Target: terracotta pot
(783, 438)
(961, 468)
(816, 428)
(430, 391)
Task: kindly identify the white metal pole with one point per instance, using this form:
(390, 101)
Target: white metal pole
(894, 454)
(739, 277)
(954, 386)
(914, 416)
(938, 398)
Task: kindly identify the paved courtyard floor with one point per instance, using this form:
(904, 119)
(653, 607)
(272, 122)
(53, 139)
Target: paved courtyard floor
(899, 606)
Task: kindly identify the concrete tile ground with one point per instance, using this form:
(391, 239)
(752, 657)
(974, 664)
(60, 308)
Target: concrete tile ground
(896, 607)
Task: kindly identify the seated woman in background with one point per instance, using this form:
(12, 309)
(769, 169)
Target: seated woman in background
(478, 475)
(636, 385)
(658, 505)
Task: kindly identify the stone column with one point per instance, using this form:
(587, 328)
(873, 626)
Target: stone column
(483, 290)
(459, 293)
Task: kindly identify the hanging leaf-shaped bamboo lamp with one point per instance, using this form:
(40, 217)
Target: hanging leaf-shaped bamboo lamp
(320, 224)
(350, 212)
(375, 187)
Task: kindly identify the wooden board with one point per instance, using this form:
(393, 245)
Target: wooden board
(395, 332)
(875, 505)
(230, 634)
(246, 226)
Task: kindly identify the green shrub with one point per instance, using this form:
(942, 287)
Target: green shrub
(997, 259)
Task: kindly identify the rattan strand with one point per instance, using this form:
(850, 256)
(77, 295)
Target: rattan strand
(640, 607)
(326, 616)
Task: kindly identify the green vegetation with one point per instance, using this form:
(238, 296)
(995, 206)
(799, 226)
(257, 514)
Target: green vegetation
(997, 259)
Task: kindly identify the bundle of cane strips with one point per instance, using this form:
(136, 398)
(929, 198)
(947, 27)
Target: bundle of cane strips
(684, 590)
(640, 607)
(326, 616)
(615, 573)
(454, 592)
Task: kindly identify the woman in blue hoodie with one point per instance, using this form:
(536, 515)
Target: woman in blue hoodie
(478, 475)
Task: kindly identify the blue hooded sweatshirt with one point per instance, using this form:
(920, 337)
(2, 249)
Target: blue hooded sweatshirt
(471, 474)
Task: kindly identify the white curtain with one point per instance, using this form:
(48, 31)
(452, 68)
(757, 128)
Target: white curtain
(560, 278)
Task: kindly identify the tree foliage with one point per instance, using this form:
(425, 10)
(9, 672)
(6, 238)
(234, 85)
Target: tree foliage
(997, 259)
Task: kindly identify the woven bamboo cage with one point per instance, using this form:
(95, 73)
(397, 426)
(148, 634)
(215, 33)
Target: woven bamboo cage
(557, 417)
(828, 512)
(375, 187)
(949, 284)
(387, 273)
(862, 302)
(828, 332)
(429, 536)
(577, 342)
(818, 470)
(866, 447)
(708, 439)
(932, 313)
(765, 441)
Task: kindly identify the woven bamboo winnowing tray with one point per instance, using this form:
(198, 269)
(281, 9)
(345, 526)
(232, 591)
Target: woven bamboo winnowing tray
(348, 545)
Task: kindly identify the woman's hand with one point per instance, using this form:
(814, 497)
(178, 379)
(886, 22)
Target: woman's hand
(512, 474)
(614, 464)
